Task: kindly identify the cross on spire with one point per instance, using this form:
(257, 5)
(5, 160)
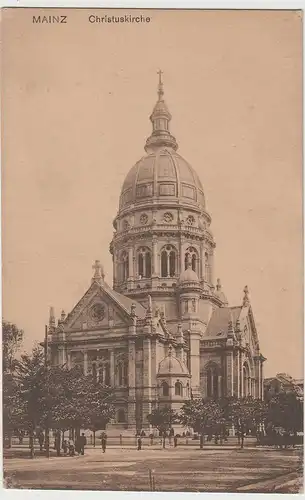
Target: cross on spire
(246, 300)
(98, 271)
(160, 86)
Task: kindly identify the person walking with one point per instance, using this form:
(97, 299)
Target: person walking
(139, 443)
(71, 448)
(175, 441)
(82, 443)
(104, 441)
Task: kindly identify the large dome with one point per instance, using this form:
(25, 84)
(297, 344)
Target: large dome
(162, 174)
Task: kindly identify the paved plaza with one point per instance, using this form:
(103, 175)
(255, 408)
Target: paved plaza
(181, 469)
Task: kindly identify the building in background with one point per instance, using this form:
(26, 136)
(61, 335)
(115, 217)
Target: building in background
(165, 332)
(282, 382)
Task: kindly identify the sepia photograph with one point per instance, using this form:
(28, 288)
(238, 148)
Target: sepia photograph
(152, 250)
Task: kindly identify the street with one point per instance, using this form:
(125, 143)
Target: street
(173, 469)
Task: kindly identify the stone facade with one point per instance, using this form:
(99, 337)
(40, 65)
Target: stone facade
(164, 333)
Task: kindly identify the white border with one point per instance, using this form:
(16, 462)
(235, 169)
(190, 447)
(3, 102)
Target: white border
(148, 4)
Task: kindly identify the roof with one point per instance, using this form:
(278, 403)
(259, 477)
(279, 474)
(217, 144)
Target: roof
(219, 321)
(124, 301)
(162, 173)
(188, 275)
(171, 365)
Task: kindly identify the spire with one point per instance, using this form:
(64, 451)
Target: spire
(246, 301)
(52, 318)
(160, 86)
(99, 275)
(160, 119)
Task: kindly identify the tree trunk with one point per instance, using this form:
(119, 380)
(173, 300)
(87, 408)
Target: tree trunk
(31, 444)
(163, 440)
(93, 439)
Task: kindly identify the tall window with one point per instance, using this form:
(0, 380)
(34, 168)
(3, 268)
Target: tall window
(144, 262)
(125, 266)
(104, 372)
(178, 389)
(122, 368)
(168, 262)
(165, 389)
(212, 381)
(192, 255)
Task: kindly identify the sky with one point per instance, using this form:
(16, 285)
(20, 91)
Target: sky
(76, 101)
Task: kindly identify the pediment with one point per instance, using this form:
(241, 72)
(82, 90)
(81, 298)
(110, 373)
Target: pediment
(97, 309)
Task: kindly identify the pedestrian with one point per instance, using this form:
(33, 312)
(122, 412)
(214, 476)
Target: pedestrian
(65, 446)
(104, 441)
(71, 448)
(82, 443)
(41, 440)
(175, 441)
(139, 443)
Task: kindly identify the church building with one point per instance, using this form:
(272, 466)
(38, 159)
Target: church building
(164, 332)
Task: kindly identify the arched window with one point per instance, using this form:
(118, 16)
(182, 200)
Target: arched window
(178, 389)
(144, 262)
(212, 376)
(121, 416)
(125, 266)
(165, 389)
(168, 262)
(192, 254)
(104, 372)
(122, 368)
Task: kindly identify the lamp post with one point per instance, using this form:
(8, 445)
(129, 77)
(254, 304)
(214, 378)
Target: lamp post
(46, 364)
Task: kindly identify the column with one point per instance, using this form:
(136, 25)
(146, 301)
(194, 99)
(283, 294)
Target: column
(112, 369)
(85, 363)
(229, 366)
(154, 365)
(212, 384)
(130, 262)
(205, 382)
(182, 262)
(147, 383)
(155, 269)
(219, 386)
(238, 374)
(241, 377)
(69, 360)
(114, 266)
(61, 355)
(211, 268)
(262, 380)
(195, 362)
(131, 383)
(201, 262)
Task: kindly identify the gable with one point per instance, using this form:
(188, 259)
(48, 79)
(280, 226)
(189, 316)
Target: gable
(101, 307)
